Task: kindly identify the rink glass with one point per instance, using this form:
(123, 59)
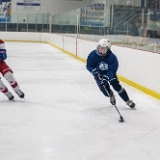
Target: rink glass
(133, 23)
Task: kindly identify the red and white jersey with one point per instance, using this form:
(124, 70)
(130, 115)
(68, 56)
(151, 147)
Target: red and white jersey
(4, 68)
(2, 45)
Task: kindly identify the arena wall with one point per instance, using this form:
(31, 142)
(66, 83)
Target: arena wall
(137, 68)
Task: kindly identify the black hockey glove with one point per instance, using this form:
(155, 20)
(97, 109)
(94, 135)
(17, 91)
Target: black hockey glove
(104, 80)
(96, 73)
(105, 77)
(3, 55)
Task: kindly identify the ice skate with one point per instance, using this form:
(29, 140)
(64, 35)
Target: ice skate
(10, 96)
(131, 104)
(20, 93)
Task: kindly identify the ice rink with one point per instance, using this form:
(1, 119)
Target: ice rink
(64, 115)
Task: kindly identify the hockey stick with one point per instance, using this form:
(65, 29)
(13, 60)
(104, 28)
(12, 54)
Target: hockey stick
(121, 118)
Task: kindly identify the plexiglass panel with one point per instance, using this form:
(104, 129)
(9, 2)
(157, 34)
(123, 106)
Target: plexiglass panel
(131, 23)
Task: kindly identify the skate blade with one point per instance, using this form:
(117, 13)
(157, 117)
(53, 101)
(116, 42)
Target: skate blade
(134, 108)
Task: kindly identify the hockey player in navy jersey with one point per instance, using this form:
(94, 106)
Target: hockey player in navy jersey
(103, 65)
(7, 73)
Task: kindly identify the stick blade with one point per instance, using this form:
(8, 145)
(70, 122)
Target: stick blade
(121, 119)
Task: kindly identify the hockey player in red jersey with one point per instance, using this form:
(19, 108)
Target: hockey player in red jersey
(7, 73)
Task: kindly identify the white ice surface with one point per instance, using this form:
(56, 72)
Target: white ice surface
(64, 115)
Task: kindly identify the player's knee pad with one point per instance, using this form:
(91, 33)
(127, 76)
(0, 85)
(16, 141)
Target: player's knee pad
(117, 87)
(105, 90)
(10, 78)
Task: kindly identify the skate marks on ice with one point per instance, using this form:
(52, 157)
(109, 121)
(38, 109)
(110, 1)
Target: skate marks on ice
(71, 116)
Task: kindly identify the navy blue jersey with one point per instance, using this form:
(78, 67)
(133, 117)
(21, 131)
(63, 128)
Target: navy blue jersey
(106, 65)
